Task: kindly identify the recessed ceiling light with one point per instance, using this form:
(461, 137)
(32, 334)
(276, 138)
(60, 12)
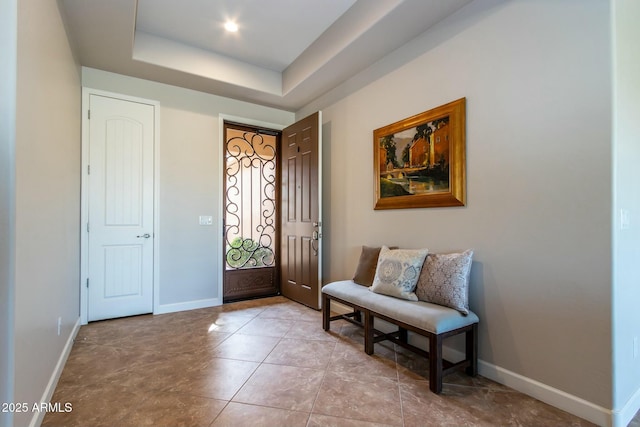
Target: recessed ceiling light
(231, 26)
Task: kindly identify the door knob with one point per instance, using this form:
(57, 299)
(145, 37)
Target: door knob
(145, 235)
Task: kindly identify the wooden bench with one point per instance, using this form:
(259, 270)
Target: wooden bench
(430, 320)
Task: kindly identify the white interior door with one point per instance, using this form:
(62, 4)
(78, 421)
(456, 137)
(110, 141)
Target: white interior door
(120, 227)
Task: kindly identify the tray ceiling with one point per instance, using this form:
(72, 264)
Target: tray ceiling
(285, 53)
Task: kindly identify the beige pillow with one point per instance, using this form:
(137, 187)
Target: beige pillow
(444, 280)
(397, 272)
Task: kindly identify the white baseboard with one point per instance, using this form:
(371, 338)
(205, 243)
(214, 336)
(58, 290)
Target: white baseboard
(622, 417)
(37, 417)
(553, 396)
(550, 395)
(189, 305)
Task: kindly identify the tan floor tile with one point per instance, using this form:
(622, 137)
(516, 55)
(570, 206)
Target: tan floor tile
(284, 387)
(302, 353)
(254, 304)
(107, 330)
(462, 379)
(418, 400)
(365, 398)
(354, 332)
(293, 311)
(219, 321)
(252, 348)
(220, 379)
(411, 366)
(277, 328)
(415, 367)
(347, 359)
(172, 342)
(239, 414)
(160, 375)
(353, 335)
(98, 405)
(310, 330)
(516, 408)
(462, 405)
(317, 420)
(174, 410)
(91, 363)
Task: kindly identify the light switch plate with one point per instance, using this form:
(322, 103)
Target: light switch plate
(206, 220)
(625, 219)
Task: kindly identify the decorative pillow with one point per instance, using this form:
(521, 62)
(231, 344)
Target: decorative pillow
(366, 269)
(444, 280)
(397, 272)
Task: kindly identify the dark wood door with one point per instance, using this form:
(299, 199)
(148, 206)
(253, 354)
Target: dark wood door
(301, 212)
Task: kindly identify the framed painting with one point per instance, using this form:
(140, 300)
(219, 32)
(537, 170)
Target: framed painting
(419, 162)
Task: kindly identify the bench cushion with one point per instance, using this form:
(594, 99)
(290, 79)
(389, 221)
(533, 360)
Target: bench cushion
(422, 315)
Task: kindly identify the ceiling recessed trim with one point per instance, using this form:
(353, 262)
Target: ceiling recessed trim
(351, 26)
(188, 59)
(105, 35)
(273, 33)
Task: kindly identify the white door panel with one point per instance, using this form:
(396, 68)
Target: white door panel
(121, 140)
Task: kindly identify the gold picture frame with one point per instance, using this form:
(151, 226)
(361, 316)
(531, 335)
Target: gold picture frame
(420, 162)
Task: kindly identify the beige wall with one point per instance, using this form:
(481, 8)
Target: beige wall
(626, 176)
(190, 181)
(47, 163)
(536, 75)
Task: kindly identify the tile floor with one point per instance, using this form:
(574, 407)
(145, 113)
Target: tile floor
(267, 362)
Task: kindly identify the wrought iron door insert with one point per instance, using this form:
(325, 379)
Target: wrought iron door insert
(251, 192)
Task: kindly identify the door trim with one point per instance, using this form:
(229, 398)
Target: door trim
(84, 197)
(220, 199)
(320, 207)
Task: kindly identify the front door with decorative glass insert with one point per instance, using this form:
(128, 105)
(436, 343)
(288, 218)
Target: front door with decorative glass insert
(251, 217)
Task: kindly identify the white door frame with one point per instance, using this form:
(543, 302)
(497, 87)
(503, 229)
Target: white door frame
(218, 219)
(84, 192)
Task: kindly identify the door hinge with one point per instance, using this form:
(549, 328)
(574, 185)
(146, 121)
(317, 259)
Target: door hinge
(87, 282)
(89, 114)
(88, 169)
(87, 227)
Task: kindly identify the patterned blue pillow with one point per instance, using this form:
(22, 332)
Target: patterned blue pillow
(397, 272)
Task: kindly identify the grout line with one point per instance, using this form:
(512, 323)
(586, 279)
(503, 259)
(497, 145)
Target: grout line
(324, 376)
(219, 413)
(395, 355)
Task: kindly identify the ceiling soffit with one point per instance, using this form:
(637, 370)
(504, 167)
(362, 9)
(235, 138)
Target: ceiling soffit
(104, 35)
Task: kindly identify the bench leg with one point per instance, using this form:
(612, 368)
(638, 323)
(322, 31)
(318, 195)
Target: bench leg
(326, 312)
(403, 335)
(357, 315)
(368, 332)
(435, 363)
(472, 350)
